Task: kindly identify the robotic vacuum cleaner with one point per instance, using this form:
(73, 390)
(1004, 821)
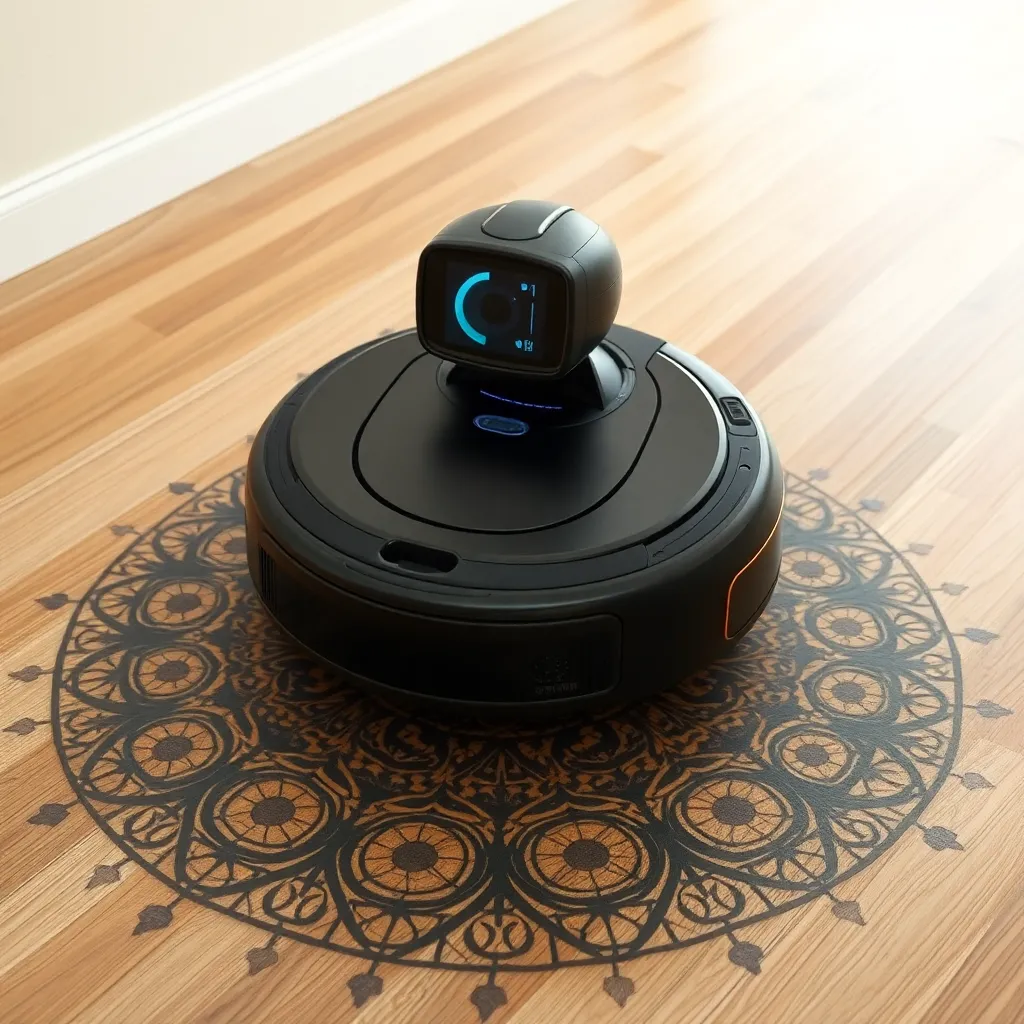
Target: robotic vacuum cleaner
(519, 505)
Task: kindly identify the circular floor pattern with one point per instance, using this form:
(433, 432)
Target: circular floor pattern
(253, 782)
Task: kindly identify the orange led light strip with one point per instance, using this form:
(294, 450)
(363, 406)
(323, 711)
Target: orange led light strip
(760, 551)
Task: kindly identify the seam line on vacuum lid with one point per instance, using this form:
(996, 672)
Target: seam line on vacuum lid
(579, 515)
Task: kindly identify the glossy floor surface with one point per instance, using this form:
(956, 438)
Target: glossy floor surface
(824, 201)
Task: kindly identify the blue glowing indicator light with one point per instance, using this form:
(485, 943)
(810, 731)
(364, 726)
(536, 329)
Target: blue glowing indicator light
(514, 401)
(501, 425)
(460, 306)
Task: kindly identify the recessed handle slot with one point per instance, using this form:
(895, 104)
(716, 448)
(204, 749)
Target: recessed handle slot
(417, 558)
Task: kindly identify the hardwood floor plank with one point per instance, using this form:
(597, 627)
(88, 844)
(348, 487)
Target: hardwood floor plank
(985, 988)
(189, 429)
(933, 893)
(977, 333)
(912, 293)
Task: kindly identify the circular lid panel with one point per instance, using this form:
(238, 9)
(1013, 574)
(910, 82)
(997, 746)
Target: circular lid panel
(379, 446)
(499, 472)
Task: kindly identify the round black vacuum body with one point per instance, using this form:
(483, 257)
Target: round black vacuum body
(445, 543)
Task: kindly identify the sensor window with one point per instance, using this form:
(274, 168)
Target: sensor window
(494, 310)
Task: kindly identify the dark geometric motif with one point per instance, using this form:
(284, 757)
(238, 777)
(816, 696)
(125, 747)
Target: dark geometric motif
(252, 781)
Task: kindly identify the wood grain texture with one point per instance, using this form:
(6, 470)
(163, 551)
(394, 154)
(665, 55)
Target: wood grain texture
(823, 199)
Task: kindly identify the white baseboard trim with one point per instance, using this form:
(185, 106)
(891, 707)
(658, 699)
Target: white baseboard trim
(65, 204)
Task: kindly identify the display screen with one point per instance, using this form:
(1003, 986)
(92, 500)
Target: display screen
(494, 310)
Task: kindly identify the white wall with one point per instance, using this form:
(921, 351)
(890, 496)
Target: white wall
(74, 72)
(109, 108)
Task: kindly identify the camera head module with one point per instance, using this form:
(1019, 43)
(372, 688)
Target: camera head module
(528, 288)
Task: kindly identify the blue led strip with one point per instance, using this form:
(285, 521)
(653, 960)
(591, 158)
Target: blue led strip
(513, 401)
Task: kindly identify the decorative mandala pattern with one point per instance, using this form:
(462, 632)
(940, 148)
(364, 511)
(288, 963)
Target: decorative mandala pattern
(253, 781)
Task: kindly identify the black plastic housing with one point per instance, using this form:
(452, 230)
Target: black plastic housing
(556, 606)
(572, 253)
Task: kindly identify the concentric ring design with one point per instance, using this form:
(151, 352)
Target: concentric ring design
(254, 782)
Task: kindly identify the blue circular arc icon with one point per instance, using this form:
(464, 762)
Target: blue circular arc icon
(460, 304)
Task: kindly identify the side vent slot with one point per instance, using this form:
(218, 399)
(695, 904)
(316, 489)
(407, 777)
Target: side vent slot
(417, 558)
(268, 580)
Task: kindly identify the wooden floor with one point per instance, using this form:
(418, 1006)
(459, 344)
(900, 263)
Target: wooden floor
(825, 201)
